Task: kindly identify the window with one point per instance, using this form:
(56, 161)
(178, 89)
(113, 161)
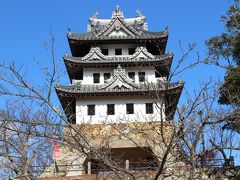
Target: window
(130, 108)
(157, 73)
(141, 76)
(96, 77)
(105, 51)
(149, 108)
(110, 109)
(118, 51)
(131, 75)
(91, 109)
(131, 51)
(107, 76)
(78, 75)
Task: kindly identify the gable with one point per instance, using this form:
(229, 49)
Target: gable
(119, 80)
(142, 53)
(94, 54)
(118, 27)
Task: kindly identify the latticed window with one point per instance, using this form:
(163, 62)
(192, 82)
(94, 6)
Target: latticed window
(130, 108)
(91, 109)
(107, 76)
(149, 108)
(157, 73)
(131, 51)
(78, 75)
(131, 75)
(105, 51)
(96, 77)
(110, 109)
(141, 76)
(118, 51)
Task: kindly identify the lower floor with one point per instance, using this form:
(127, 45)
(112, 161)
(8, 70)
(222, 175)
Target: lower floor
(119, 109)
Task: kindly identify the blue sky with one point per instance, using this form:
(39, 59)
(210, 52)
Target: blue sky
(26, 24)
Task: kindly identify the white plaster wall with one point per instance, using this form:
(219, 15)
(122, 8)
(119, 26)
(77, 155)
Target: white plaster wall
(120, 110)
(88, 74)
(111, 48)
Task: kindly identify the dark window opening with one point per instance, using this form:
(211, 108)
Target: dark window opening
(105, 51)
(91, 109)
(131, 75)
(154, 49)
(130, 108)
(78, 75)
(110, 109)
(131, 51)
(107, 76)
(149, 108)
(141, 76)
(96, 77)
(84, 49)
(157, 73)
(118, 51)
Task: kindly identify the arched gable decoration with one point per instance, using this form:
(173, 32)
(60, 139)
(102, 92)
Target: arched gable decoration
(118, 27)
(119, 80)
(94, 54)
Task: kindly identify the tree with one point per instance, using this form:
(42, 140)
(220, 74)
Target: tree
(224, 51)
(28, 123)
(174, 146)
(25, 143)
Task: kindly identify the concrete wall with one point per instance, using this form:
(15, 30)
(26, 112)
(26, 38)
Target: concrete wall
(120, 110)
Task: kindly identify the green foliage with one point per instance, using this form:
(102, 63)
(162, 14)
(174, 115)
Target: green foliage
(227, 45)
(224, 51)
(236, 49)
(230, 90)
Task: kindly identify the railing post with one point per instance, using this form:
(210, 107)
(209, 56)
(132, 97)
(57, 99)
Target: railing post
(89, 167)
(127, 165)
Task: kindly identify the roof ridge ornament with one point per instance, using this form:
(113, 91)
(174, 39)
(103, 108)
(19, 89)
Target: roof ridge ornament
(94, 54)
(142, 53)
(139, 13)
(95, 15)
(91, 20)
(117, 13)
(69, 33)
(119, 80)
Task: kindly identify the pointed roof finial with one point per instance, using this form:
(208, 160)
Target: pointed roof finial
(117, 13)
(119, 68)
(69, 32)
(138, 13)
(95, 15)
(180, 81)
(117, 8)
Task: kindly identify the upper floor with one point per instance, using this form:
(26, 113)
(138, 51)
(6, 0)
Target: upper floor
(100, 76)
(117, 30)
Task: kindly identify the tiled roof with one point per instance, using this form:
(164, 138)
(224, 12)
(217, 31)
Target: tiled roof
(118, 59)
(92, 36)
(78, 90)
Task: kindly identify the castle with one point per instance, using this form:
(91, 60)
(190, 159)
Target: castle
(119, 73)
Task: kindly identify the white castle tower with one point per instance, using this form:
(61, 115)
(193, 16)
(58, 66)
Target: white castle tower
(119, 74)
(115, 69)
